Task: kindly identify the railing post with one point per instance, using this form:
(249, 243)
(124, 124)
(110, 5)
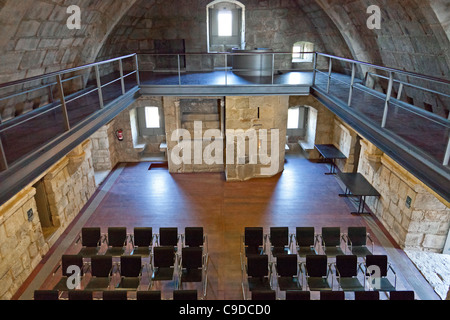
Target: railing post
(388, 98)
(3, 160)
(400, 91)
(314, 69)
(138, 78)
(330, 66)
(179, 69)
(122, 81)
(226, 69)
(99, 86)
(447, 154)
(273, 66)
(352, 82)
(63, 103)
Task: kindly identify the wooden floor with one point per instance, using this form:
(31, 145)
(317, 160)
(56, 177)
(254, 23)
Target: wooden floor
(302, 195)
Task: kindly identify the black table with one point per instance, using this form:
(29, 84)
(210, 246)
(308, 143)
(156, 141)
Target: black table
(330, 153)
(357, 186)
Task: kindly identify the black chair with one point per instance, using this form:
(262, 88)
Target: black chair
(115, 295)
(46, 295)
(298, 295)
(357, 238)
(401, 295)
(101, 271)
(116, 241)
(148, 295)
(332, 295)
(279, 240)
(68, 260)
(163, 265)
(91, 241)
(288, 272)
(379, 282)
(193, 267)
(80, 295)
(367, 295)
(347, 273)
(264, 295)
(253, 240)
(331, 241)
(185, 295)
(317, 271)
(258, 274)
(130, 272)
(306, 241)
(168, 237)
(194, 237)
(142, 241)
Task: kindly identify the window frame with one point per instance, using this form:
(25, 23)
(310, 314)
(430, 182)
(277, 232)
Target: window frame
(304, 46)
(142, 123)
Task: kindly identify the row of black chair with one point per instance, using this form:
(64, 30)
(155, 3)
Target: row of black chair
(114, 295)
(142, 240)
(331, 295)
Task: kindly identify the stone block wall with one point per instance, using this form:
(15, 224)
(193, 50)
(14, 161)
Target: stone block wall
(104, 155)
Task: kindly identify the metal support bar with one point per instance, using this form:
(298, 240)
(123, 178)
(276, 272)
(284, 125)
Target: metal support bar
(388, 99)
(99, 87)
(273, 65)
(330, 66)
(226, 70)
(3, 160)
(314, 69)
(352, 83)
(400, 91)
(63, 103)
(179, 69)
(138, 79)
(447, 154)
(122, 81)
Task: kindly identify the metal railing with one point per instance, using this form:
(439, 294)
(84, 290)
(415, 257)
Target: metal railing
(441, 123)
(55, 82)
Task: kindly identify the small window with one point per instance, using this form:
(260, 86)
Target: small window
(225, 21)
(152, 119)
(293, 118)
(299, 49)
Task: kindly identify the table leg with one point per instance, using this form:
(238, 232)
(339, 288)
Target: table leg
(346, 194)
(332, 168)
(361, 205)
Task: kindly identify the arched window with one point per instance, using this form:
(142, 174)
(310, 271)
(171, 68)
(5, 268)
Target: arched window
(225, 22)
(299, 49)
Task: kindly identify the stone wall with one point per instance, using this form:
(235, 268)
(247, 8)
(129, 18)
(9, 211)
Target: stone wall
(68, 184)
(104, 155)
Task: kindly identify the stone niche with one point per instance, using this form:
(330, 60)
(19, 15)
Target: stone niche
(253, 122)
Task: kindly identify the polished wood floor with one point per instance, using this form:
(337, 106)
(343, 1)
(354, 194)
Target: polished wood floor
(302, 195)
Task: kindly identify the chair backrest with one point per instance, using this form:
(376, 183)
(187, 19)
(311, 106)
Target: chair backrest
(305, 236)
(168, 236)
(101, 265)
(331, 236)
(130, 266)
(257, 265)
(192, 257)
(367, 295)
(90, 236)
(357, 235)
(253, 236)
(279, 236)
(347, 265)
(185, 295)
(316, 265)
(332, 295)
(80, 295)
(143, 236)
(378, 260)
(148, 295)
(117, 236)
(298, 295)
(401, 295)
(68, 260)
(115, 295)
(264, 295)
(163, 256)
(193, 236)
(287, 265)
(46, 295)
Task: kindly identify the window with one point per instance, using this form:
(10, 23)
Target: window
(293, 118)
(152, 119)
(225, 23)
(298, 50)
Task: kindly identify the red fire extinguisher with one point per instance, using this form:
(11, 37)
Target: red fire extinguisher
(119, 134)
